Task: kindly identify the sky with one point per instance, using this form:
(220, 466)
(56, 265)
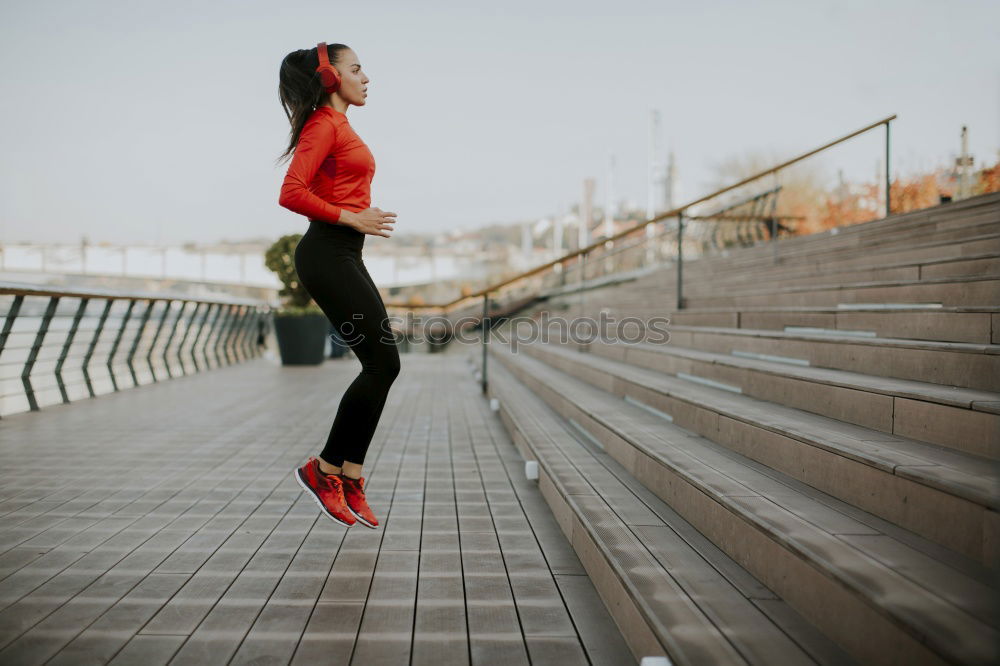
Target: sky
(159, 122)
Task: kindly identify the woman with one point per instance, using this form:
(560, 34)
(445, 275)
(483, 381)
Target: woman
(329, 181)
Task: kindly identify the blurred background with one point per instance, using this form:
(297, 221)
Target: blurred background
(140, 138)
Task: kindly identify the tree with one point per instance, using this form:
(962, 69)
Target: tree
(802, 192)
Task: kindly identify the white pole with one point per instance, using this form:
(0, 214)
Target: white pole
(557, 236)
(654, 178)
(586, 213)
(609, 204)
(670, 187)
(654, 127)
(963, 169)
(526, 242)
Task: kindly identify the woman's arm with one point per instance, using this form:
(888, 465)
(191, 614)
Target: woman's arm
(315, 144)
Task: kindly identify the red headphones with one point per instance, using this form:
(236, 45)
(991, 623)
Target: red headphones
(329, 77)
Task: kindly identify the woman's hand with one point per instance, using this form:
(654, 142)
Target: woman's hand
(372, 221)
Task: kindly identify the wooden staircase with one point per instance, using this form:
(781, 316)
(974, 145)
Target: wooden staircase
(806, 471)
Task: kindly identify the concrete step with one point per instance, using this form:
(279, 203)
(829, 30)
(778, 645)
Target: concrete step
(878, 340)
(884, 595)
(962, 419)
(670, 590)
(973, 366)
(969, 291)
(825, 252)
(961, 217)
(951, 215)
(981, 265)
(837, 246)
(718, 269)
(945, 324)
(825, 255)
(985, 244)
(945, 496)
(765, 279)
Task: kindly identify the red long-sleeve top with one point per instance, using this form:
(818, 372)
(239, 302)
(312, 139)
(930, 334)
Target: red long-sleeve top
(331, 169)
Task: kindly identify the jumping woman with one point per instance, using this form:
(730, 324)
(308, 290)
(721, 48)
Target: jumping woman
(329, 181)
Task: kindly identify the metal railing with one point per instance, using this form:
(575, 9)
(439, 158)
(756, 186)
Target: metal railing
(127, 338)
(635, 248)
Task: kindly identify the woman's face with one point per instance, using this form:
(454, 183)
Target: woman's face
(353, 80)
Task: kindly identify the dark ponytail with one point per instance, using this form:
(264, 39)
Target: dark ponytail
(299, 88)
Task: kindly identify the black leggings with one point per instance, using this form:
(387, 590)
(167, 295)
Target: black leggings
(328, 261)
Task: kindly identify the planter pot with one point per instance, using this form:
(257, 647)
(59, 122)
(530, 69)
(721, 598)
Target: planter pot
(301, 339)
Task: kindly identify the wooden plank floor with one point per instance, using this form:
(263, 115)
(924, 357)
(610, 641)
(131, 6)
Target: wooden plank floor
(162, 524)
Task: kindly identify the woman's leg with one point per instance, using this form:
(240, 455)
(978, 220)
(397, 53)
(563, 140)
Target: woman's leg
(344, 291)
(352, 469)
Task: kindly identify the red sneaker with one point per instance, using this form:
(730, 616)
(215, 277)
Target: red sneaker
(354, 493)
(328, 491)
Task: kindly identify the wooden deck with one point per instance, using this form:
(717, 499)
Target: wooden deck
(162, 524)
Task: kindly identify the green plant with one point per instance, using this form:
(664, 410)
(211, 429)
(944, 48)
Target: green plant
(280, 258)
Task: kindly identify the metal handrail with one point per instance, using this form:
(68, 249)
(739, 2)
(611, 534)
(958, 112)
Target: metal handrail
(664, 216)
(26, 289)
(151, 340)
(678, 213)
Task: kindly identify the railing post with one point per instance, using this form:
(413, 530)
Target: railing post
(680, 260)
(8, 323)
(64, 354)
(138, 339)
(239, 354)
(170, 339)
(232, 341)
(208, 337)
(43, 328)
(888, 195)
(118, 340)
(235, 312)
(197, 336)
(241, 339)
(93, 346)
(486, 300)
(223, 325)
(156, 336)
(237, 335)
(774, 210)
(234, 330)
(249, 334)
(255, 332)
(251, 337)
